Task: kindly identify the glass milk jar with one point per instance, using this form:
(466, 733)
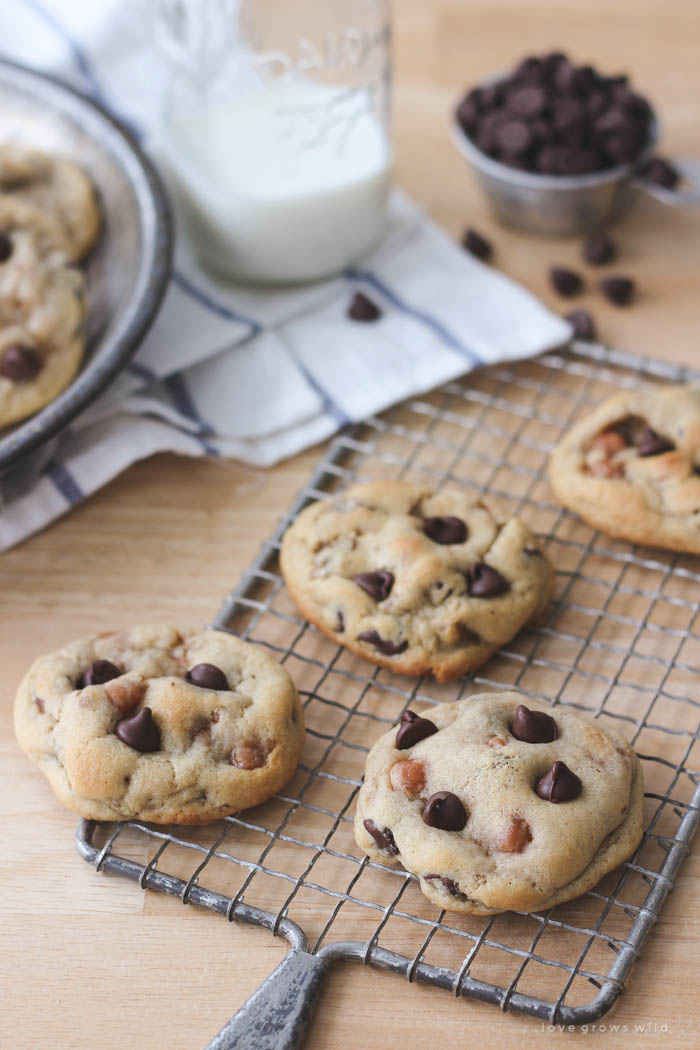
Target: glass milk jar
(276, 131)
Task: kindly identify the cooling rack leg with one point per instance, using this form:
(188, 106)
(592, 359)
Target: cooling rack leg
(277, 1014)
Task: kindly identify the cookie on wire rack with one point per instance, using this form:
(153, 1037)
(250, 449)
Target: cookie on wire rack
(417, 581)
(158, 725)
(632, 467)
(496, 805)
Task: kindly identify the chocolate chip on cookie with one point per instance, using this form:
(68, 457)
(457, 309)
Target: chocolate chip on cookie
(377, 584)
(384, 645)
(139, 731)
(383, 837)
(99, 672)
(445, 530)
(652, 444)
(5, 247)
(483, 581)
(412, 730)
(249, 756)
(535, 727)
(559, 784)
(21, 364)
(445, 811)
(207, 676)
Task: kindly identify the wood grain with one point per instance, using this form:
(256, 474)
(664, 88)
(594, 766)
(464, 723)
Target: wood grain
(89, 961)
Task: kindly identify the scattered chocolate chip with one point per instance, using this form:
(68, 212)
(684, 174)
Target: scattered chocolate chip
(529, 101)
(513, 137)
(445, 530)
(363, 309)
(534, 727)
(662, 172)
(339, 622)
(377, 584)
(20, 363)
(99, 672)
(583, 324)
(384, 646)
(383, 838)
(413, 729)
(566, 283)
(450, 885)
(559, 784)
(477, 245)
(485, 582)
(139, 731)
(619, 290)
(445, 811)
(249, 756)
(5, 247)
(652, 444)
(598, 249)
(207, 676)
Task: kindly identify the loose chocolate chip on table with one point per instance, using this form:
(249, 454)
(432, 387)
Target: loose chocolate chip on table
(207, 676)
(477, 245)
(619, 290)
(582, 323)
(662, 173)
(5, 247)
(377, 584)
(445, 530)
(565, 282)
(383, 837)
(384, 646)
(445, 811)
(99, 672)
(139, 731)
(20, 363)
(652, 444)
(450, 885)
(534, 727)
(598, 249)
(413, 729)
(485, 582)
(559, 784)
(363, 309)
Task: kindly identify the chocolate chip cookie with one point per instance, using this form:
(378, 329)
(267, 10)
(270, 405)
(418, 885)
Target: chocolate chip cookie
(632, 467)
(42, 308)
(497, 805)
(417, 581)
(158, 725)
(58, 187)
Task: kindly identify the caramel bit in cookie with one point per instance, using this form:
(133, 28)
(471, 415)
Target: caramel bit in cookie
(483, 581)
(384, 646)
(450, 885)
(408, 775)
(445, 811)
(382, 836)
(99, 672)
(534, 727)
(652, 444)
(516, 838)
(559, 784)
(377, 584)
(41, 706)
(446, 530)
(126, 695)
(249, 756)
(207, 676)
(139, 731)
(412, 730)
(496, 741)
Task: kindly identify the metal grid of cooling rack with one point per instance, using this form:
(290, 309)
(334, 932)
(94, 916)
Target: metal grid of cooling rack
(620, 643)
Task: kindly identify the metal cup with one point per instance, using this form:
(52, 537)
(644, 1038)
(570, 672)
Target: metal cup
(567, 205)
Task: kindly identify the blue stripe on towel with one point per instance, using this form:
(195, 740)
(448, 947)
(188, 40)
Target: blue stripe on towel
(329, 405)
(64, 482)
(141, 371)
(211, 304)
(430, 322)
(177, 388)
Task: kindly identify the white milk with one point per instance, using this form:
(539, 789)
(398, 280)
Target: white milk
(288, 184)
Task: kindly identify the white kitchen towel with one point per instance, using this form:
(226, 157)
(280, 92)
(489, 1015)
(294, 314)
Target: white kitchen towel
(252, 374)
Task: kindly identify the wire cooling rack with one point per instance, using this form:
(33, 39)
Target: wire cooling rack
(621, 643)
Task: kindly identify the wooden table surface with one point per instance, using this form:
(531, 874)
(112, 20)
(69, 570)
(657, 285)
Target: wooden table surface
(88, 961)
